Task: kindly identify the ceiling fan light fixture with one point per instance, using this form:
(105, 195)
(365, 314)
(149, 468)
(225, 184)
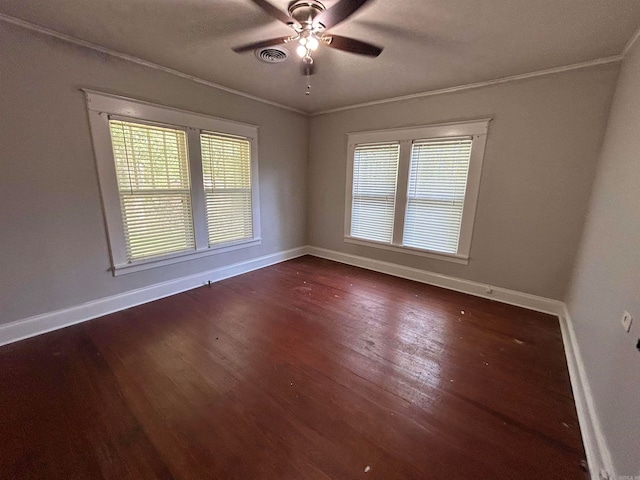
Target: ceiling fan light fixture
(312, 43)
(301, 51)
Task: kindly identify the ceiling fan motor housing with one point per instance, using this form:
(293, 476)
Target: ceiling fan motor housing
(305, 11)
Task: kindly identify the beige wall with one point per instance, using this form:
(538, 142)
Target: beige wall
(606, 279)
(542, 150)
(53, 243)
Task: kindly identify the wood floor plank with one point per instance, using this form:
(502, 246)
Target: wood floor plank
(59, 402)
(308, 369)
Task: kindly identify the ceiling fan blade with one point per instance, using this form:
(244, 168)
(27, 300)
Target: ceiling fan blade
(339, 12)
(262, 44)
(351, 45)
(275, 12)
(308, 69)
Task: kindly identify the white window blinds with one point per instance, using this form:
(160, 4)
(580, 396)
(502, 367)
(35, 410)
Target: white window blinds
(226, 167)
(152, 171)
(436, 193)
(375, 170)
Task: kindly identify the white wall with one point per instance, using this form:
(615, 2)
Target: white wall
(606, 279)
(53, 244)
(542, 150)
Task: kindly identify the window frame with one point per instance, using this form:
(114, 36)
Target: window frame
(477, 129)
(103, 106)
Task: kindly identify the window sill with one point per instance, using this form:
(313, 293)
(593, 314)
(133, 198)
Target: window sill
(182, 257)
(461, 259)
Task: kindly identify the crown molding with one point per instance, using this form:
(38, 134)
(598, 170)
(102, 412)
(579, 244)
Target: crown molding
(428, 93)
(632, 40)
(68, 38)
(470, 86)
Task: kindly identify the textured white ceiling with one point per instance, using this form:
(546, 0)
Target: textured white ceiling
(429, 45)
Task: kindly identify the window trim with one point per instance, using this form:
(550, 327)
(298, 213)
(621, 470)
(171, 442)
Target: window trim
(405, 137)
(103, 106)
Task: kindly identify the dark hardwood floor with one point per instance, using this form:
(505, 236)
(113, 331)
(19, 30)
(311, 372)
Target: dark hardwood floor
(308, 369)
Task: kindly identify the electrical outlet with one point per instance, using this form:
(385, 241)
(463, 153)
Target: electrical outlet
(626, 321)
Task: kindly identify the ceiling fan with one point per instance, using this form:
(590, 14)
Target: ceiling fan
(310, 21)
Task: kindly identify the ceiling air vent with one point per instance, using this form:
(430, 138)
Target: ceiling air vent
(272, 54)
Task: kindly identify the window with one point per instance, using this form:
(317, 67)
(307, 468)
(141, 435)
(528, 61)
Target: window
(435, 197)
(414, 190)
(154, 188)
(175, 185)
(226, 166)
(375, 169)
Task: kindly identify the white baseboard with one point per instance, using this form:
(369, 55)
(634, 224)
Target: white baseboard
(46, 322)
(595, 445)
(504, 295)
(49, 321)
